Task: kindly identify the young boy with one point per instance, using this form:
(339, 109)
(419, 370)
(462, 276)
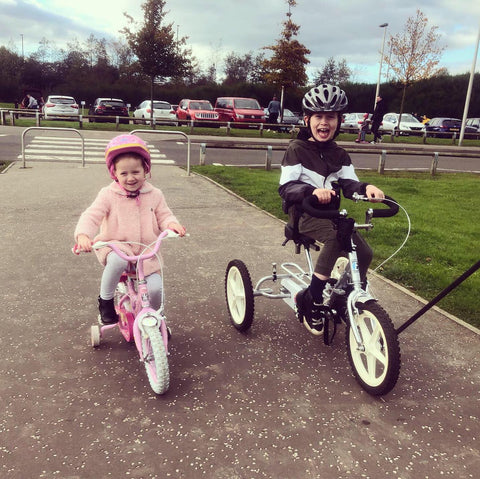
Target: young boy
(315, 165)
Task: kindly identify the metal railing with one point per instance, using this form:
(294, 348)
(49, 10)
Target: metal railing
(167, 132)
(50, 129)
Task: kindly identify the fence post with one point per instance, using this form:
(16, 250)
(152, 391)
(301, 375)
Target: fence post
(381, 163)
(268, 158)
(203, 152)
(433, 166)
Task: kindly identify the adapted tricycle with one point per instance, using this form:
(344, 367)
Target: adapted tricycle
(371, 339)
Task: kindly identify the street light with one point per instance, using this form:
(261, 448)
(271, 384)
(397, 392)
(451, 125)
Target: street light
(469, 92)
(383, 25)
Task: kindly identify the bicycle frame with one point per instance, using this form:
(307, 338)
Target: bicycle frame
(139, 298)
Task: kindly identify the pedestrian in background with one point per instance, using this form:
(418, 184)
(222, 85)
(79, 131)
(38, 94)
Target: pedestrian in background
(377, 118)
(273, 110)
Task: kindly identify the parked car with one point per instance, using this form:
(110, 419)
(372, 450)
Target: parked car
(201, 110)
(60, 106)
(108, 107)
(408, 125)
(162, 112)
(352, 122)
(289, 118)
(240, 110)
(446, 127)
(474, 123)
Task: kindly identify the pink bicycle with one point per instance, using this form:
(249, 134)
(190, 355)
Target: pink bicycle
(138, 321)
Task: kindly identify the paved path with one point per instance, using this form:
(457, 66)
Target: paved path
(274, 403)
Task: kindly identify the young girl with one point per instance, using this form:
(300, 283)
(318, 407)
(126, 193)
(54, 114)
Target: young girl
(315, 165)
(129, 209)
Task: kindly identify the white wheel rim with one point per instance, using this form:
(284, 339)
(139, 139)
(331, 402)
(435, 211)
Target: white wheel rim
(236, 295)
(371, 364)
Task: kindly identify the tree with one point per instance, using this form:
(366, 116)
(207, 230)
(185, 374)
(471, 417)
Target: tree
(287, 65)
(333, 73)
(415, 53)
(159, 55)
(246, 69)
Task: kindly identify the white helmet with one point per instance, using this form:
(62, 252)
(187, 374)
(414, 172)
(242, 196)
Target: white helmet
(324, 98)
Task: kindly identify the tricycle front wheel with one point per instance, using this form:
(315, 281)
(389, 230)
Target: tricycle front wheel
(376, 365)
(239, 295)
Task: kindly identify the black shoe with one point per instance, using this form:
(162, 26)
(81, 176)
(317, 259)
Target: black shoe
(310, 313)
(108, 315)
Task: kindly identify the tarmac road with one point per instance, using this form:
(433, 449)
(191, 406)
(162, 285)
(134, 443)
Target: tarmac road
(274, 403)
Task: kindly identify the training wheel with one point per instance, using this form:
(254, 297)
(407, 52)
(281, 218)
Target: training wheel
(95, 336)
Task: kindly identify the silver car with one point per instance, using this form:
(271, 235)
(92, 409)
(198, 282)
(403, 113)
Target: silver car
(352, 122)
(163, 112)
(60, 106)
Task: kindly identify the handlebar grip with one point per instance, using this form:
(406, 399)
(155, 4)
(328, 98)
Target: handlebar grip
(391, 211)
(314, 208)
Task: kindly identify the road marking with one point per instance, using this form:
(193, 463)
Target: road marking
(54, 148)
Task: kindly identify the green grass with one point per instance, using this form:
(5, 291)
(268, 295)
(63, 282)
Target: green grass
(445, 214)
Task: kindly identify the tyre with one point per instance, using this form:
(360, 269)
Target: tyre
(377, 367)
(95, 336)
(239, 295)
(155, 358)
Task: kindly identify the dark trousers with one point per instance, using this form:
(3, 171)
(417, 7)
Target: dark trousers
(324, 232)
(375, 127)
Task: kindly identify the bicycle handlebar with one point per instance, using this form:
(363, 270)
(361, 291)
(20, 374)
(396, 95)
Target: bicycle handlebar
(312, 207)
(113, 245)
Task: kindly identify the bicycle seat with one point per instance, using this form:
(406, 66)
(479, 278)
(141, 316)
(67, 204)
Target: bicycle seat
(292, 234)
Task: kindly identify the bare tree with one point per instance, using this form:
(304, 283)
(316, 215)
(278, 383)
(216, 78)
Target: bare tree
(415, 53)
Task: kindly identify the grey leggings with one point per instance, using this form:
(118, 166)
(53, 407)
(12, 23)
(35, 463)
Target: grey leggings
(323, 231)
(111, 275)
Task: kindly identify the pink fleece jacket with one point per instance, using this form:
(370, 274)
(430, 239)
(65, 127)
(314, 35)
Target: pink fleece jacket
(121, 218)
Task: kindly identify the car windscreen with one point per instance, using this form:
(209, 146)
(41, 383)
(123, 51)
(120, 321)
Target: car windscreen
(161, 105)
(200, 105)
(61, 101)
(116, 103)
(408, 117)
(247, 104)
(452, 123)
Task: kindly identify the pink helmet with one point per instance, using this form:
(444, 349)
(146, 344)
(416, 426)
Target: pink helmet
(126, 144)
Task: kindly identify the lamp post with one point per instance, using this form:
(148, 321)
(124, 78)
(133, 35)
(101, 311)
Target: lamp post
(469, 92)
(23, 58)
(377, 91)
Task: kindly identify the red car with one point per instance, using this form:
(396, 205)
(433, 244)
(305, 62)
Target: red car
(197, 110)
(240, 110)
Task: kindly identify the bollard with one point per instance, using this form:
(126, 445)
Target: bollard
(424, 137)
(203, 152)
(117, 122)
(228, 128)
(261, 129)
(454, 137)
(3, 117)
(80, 121)
(433, 166)
(268, 158)
(381, 163)
(37, 118)
(192, 124)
